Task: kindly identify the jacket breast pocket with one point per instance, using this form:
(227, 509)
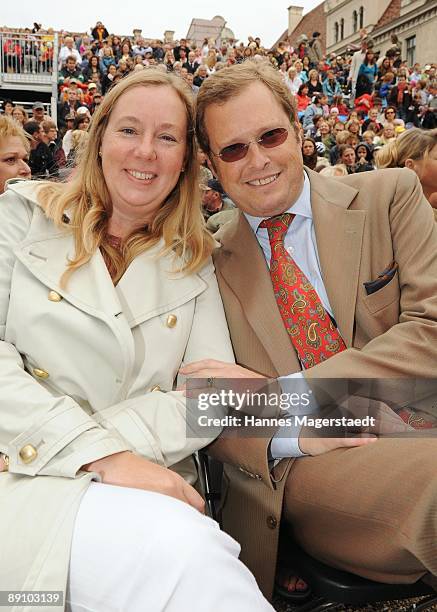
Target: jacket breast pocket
(385, 296)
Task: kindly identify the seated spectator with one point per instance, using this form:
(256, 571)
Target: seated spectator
(14, 151)
(56, 151)
(353, 126)
(302, 98)
(331, 87)
(313, 110)
(415, 149)
(340, 139)
(19, 114)
(214, 198)
(68, 50)
(346, 156)
(314, 84)
(292, 81)
(79, 138)
(108, 78)
(369, 137)
(38, 112)
(107, 60)
(7, 107)
(324, 134)
(337, 170)
(70, 71)
(40, 158)
(364, 157)
(69, 107)
(93, 69)
(309, 153)
(388, 134)
(200, 75)
(372, 117)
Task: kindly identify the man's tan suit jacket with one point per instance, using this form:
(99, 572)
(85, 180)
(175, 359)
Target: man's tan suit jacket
(362, 223)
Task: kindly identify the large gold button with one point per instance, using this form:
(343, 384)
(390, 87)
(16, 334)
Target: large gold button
(171, 320)
(156, 388)
(28, 453)
(40, 373)
(54, 296)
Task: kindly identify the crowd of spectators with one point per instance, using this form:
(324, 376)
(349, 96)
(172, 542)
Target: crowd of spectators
(349, 106)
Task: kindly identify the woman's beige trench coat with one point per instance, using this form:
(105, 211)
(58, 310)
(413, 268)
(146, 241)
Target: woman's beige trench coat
(85, 376)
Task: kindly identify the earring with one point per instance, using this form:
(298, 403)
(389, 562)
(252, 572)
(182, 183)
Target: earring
(100, 154)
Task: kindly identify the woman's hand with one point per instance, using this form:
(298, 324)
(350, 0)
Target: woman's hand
(212, 368)
(128, 470)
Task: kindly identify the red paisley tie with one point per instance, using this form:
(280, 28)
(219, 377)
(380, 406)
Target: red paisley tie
(309, 326)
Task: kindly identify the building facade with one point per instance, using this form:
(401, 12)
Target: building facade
(213, 30)
(413, 21)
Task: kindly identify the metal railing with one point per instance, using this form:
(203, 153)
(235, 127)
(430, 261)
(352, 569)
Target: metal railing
(29, 60)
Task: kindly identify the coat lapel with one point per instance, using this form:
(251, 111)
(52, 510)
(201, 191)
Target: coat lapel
(245, 270)
(339, 235)
(149, 287)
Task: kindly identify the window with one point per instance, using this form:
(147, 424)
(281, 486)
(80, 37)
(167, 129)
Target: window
(361, 17)
(355, 21)
(341, 29)
(336, 32)
(411, 50)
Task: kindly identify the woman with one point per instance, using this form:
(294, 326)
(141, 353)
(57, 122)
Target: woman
(302, 98)
(346, 156)
(117, 264)
(92, 70)
(314, 84)
(8, 107)
(388, 134)
(14, 151)
(415, 149)
(19, 114)
(309, 152)
(368, 69)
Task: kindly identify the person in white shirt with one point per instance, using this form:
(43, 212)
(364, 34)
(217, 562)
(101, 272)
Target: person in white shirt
(67, 50)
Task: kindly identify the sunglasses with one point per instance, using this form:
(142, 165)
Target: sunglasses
(268, 140)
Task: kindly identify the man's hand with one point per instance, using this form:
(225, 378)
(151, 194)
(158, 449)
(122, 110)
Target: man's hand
(212, 368)
(319, 446)
(128, 470)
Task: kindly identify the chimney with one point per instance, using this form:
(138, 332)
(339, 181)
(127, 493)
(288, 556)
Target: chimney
(294, 16)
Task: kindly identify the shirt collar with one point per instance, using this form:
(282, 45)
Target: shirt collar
(301, 207)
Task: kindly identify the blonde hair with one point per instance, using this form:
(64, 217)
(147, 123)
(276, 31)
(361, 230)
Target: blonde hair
(178, 222)
(10, 128)
(79, 138)
(230, 81)
(337, 170)
(413, 144)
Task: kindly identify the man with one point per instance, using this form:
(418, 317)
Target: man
(182, 46)
(357, 60)
(214, 198)
(38, 113)
(315, 51)
(70, 71)
(40, 159)
(370, 508)
(191, 65)
(68, 50)
(50, 138)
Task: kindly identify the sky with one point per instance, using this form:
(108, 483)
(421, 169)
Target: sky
(264, 18)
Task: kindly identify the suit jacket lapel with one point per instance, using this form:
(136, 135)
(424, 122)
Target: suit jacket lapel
(339, 235)
(245, 270)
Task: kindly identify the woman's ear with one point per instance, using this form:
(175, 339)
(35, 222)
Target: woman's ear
(409, 163)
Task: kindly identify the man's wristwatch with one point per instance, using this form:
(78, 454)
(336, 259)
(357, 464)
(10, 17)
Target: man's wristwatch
(5, 461)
